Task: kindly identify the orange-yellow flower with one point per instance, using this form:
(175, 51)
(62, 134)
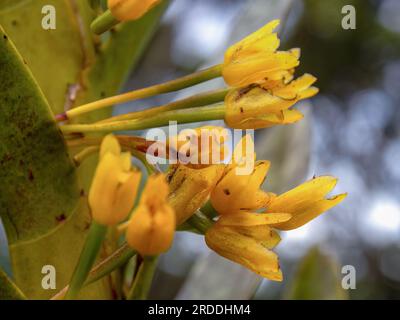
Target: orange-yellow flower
(124, 10)
(191, 188)
(255, 59)
(151, 229)
(238, 191)
(247, 238)
(305, 202)
(114, 187)
(259, 106)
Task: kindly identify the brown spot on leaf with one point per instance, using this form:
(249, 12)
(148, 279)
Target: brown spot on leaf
(30, 175)
(61, 218)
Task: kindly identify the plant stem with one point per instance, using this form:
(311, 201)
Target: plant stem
(87, 258)
(142, 158)
(200, 222)
(197, 100)
(173, 85)
(124, 253)
(105, 267)
(216, 112)
(104, 22)
(84, 154)
(142, 283)
(209, 210)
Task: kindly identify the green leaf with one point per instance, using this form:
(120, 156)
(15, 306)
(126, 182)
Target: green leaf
(39, 184)
(39, 192)
(57, 58)
(70, 71)
(317, 277)
(8, 289)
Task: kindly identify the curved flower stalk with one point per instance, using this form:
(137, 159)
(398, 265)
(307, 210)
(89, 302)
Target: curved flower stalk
(247, 237)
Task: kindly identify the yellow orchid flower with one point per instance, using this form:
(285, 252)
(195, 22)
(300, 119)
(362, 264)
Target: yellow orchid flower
(191, 188)
(115, 184)
(255, 59)
(151, 229)
(200, 147)
(125, 10)
(258, 106)
(241, 192)
(246, 238)
(305, 202)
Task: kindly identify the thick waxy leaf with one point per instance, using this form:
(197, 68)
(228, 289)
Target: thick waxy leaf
(39, 185)
(57, 58)
(39, 190)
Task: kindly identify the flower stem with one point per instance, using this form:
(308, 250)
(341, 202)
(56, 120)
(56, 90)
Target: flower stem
(197, 100)
(104, 22)
(84, 154)
(104, 268)
(209, 210)
(87, 258)
(173, 85)
(200, 222)
(215, 112)
(142, 283)
(142, 158)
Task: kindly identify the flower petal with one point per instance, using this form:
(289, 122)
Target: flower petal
(249, 219)
(314, 210)
(110, 144)
(301, 197)
(190, 188)
(263, 39)
(245, 251)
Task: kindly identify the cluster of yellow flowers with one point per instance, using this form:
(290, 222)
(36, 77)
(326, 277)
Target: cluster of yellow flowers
(263, 80)
(240, 233)
(245, 228)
